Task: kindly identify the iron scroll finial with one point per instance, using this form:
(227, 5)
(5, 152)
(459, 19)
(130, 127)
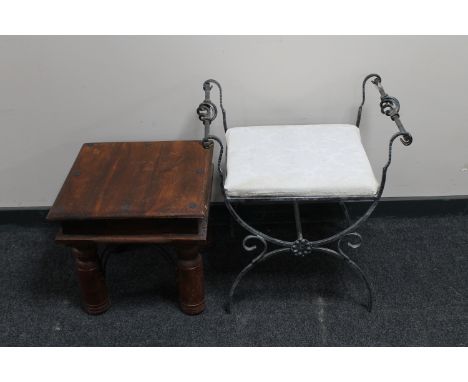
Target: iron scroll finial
(389, 106)
(207, 111)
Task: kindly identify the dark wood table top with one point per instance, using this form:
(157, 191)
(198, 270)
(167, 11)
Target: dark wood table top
(136, 180)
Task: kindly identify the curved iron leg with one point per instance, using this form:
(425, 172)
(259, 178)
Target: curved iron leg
(358, 269)
(363, 276)
(351, 262)
(354, 266)
(263, 256)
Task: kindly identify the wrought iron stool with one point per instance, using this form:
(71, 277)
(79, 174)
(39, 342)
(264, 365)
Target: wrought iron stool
(314, 163)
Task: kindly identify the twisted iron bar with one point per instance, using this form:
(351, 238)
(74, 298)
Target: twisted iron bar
(389, 106)
(301, 247)
(207, 111)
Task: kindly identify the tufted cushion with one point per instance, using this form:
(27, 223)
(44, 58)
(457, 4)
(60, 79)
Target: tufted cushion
(298, 160)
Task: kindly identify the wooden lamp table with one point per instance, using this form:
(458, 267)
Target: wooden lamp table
(136, 192)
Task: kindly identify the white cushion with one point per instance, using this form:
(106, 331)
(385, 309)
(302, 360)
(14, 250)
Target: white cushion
(298, 161)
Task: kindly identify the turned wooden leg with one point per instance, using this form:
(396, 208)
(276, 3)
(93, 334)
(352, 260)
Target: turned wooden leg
(91, 279)
(190, 279)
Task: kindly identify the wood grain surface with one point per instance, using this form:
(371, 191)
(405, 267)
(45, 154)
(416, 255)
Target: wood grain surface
(122, 180)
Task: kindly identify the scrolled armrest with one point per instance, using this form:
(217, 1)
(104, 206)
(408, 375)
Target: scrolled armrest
(389, 106)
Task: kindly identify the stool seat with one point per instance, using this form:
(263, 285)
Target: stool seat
(317, 161)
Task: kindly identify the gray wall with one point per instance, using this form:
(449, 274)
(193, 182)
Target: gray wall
(58, 92)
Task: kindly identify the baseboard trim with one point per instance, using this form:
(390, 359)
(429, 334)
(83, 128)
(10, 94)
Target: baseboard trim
(388, 207)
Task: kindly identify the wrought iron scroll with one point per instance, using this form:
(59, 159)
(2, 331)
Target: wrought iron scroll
(207, 111)
(389, 106)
